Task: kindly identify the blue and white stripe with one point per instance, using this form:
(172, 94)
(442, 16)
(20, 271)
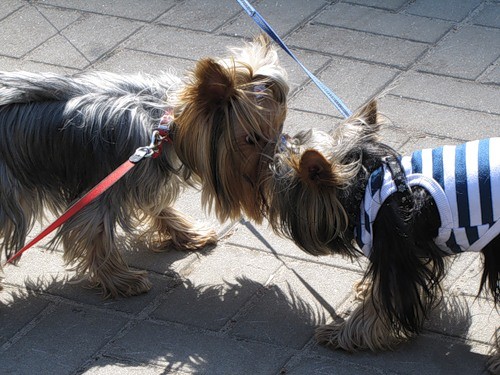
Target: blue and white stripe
(464, 181)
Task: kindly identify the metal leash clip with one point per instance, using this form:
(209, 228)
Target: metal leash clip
(148, 151)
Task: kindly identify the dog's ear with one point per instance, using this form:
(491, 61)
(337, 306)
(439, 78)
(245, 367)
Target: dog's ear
(369, 112)
(263, 40)
(314, 169)
(214, 83)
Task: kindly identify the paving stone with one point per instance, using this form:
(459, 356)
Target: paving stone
(465, 54)
(469, 281)
(302, 121)
(360, 45)
(37, 270)
(381, 22)
(444, 9)
(182, 351)
(488, 16)
(195, 45)
(51, 52)
(425, 354)
(303, 296)
(22, 31)
(200, 15)
(145, 10)
(10, 64)
(449, 91)
(261, 238)
(18, 308)
(386, 4)
(420, 141)
(112, 366)
(131, 305)
(130, 61)
(219, 284)
(59, 18)
(493, 76)
(92, 41)
(475, 319)
(421, 117)
(325, 366)
(285, 18)
(353, 81)
(10, 6)
(296, 75)
(250, 304)
(61, 342)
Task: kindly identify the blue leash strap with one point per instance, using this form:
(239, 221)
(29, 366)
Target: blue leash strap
(259, 20)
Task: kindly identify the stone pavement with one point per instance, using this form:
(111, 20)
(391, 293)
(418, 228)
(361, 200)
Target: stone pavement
(250, 304)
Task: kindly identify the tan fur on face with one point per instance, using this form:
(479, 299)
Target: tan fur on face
(308, 177)
(230, 115)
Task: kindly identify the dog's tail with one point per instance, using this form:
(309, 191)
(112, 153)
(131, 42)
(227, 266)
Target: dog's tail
(26, 87)
(23, 87)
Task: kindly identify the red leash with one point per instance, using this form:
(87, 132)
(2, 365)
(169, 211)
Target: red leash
(153, 150)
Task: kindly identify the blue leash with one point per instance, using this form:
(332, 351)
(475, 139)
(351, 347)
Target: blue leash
(259, 20)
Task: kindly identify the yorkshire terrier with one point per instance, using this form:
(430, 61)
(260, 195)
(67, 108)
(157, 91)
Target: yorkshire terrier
(60, 135)
(347, 193)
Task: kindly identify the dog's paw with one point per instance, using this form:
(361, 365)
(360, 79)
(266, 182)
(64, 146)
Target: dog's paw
(329, 334)
(125, 284)
(361, 290)
(494, 360)
(494, 364)
(189, 240)
(358, 332)
(194, 240)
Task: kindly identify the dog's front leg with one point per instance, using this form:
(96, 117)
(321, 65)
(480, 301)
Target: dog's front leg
(364, 328)
(171, 228)
(403, 286)
(89, 243)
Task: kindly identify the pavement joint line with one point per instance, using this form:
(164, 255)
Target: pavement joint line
(472, 110)
(59, 31)
(33, 323)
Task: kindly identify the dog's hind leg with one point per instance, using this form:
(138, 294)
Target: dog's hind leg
(89, 242)
(169, 227)
(363, 329)
(491, 269)
(494, 361)
(17, 208)
(490, 282)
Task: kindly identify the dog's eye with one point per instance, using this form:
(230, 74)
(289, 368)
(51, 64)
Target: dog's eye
(252, 139)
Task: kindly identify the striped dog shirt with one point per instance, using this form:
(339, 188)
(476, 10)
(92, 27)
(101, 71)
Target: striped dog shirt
(464, 181)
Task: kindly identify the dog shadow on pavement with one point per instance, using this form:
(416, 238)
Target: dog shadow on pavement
(50, 323)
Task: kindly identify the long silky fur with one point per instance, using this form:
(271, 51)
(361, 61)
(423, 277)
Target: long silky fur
(250, 67)
(60, 135)
(315, 193)
(71, 132)
(405, 264)
(354, 151)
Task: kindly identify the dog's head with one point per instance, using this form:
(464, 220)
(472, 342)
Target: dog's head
(229, 117)
(314, 175)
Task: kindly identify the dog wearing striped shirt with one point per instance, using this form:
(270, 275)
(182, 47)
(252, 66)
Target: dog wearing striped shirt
(348, 193)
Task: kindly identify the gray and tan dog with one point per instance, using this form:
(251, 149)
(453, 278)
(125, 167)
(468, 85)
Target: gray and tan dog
(60, 135)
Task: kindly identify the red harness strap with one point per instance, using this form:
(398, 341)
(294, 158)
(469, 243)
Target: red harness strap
(153, 150)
